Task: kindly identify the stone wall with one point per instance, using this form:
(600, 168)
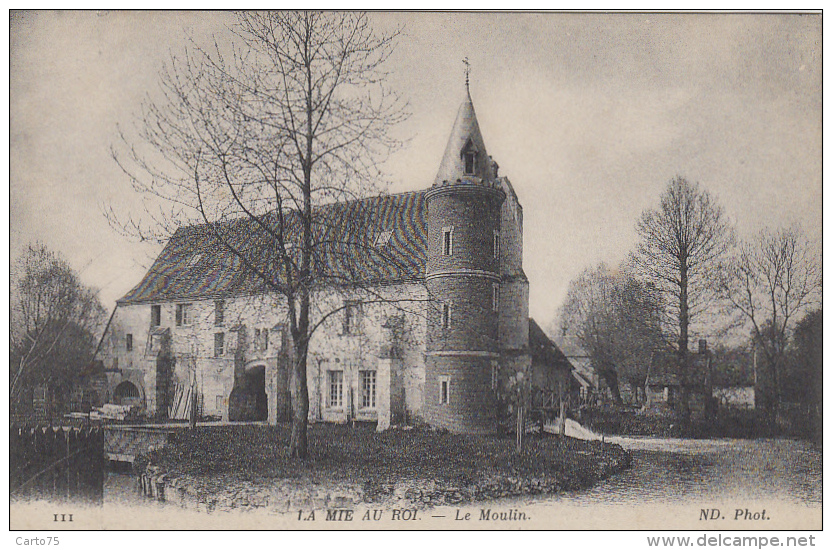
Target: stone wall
(215, 376)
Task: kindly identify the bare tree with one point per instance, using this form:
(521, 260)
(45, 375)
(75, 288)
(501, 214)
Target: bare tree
(616, 319)
(255, 138)
(770, 281)
(54, 321)
(682, 244)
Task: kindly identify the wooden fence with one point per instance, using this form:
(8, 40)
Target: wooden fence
(56, 463)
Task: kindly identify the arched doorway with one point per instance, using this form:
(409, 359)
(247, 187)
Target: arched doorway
(127, 393)
(256, 384)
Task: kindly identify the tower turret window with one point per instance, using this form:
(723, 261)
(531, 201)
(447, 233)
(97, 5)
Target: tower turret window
(447, 241)
(470, 162)
(446, 315)
(495, 297)
(444, 390)
(496, 244)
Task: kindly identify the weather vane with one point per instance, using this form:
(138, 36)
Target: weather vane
(467, 70)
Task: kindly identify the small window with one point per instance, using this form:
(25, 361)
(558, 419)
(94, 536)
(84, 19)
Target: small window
(447, 241)
(264, 335)
(195, 259)
(383, 238)
(156, 343)
(368, 389)
(444, 390)
(446, 315)
(129, 343)
(183, 314)
(352, 316)
(495, 297)
(219, 312)
(495, 375)
(155, 316)
(256, 339)
(470, 162)
(496, 244)
(219, 344)
(336, 388)
(219, 403)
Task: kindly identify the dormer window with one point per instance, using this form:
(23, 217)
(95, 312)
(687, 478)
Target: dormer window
(383, 238)
(470, 162)
(195, 259)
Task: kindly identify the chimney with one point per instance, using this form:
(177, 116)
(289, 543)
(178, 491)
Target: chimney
(703, 346)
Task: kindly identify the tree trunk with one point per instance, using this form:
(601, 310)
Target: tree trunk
(300, 401)
(684, 320)
(611, 378)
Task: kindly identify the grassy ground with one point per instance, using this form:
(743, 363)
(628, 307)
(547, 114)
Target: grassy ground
(432, 463)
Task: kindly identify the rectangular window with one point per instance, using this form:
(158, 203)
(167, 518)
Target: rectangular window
(336, 388)
(352, 316)
(219, 312)
(495, 297)
(368, 389)
(155, 316)
(219, 344)
(444, 390)
(219, 403)
(447, 241)
(183, 314)
(446, 315)
(261, 339)
(496, 244)
(155, 343)
(495, 375)
(129, 342)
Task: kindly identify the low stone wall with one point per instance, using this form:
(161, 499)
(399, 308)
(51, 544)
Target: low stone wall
(226, 492)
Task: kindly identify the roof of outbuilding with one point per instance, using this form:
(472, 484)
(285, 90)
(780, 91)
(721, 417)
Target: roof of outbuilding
(197, 261)
(571, 346)
(544, 350)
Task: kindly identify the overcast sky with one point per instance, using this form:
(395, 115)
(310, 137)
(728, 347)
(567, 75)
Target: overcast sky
(589, 115)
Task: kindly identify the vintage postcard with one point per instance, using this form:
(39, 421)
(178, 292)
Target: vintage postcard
(416, 271)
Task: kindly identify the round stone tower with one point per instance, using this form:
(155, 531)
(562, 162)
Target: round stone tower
(463, 282)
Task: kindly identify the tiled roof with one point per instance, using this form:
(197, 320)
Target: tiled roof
(570, 345)
(544, 350)
(197, 262)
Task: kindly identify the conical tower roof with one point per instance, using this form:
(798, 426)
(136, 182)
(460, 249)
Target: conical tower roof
(465, 138)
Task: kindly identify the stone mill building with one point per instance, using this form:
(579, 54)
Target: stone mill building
(435, 329)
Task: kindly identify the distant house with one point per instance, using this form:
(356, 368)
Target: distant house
(733, 378)
(583, 371)
(665, 380)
